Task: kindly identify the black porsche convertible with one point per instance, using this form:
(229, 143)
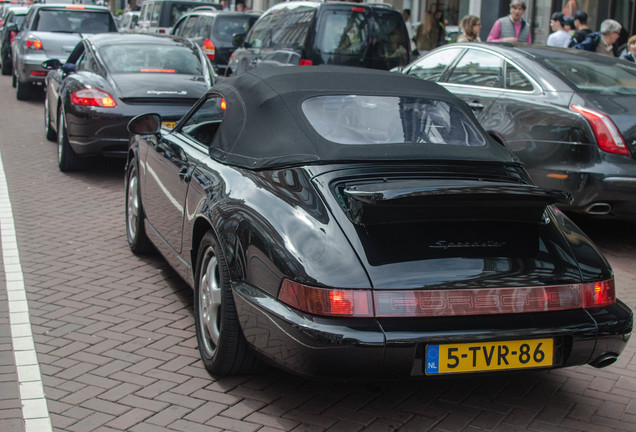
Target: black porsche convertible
(345, 223)
(110, 78)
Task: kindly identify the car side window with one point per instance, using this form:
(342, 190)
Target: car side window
(290, 30)
(478, 68)
(432, 67)
(515, 80)
(203, 124)
(204, 29)
(259, 32)
(154, 16)
(190, 27)
(87, 63)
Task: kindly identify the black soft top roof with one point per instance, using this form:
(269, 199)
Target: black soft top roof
(264, 127)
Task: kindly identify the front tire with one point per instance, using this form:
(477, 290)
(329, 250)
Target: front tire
(51, 135)
(67, 159)
(135, 229)
(223, 348)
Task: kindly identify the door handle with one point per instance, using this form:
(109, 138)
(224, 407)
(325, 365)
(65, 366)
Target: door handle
(476, 105)
(185, 174)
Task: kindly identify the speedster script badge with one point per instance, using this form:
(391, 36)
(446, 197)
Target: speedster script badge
(443, 244)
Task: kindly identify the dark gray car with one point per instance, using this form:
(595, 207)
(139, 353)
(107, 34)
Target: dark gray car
(52, 31)
(569, 115)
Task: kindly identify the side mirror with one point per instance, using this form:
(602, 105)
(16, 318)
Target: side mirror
(238, 39)
(13, 27)
(145, 124)
(51, 64)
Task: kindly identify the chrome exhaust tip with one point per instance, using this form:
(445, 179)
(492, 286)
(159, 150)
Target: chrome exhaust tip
(599, 209)
(604, 360)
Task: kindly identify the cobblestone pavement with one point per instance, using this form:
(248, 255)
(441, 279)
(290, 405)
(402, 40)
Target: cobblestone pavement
(116, 345)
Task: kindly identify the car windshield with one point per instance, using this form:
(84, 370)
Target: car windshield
(227, 26)
(607, 78)
(138, 58)
(73, 21)
(354, 119)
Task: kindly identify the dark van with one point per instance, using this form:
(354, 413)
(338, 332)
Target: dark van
(158, 16)
(313, 33)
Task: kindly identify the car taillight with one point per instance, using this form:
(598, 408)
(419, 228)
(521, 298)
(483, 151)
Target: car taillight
(38, 73)
(451, 302)
(358, 9)
(209, 49)
(599, 294)
(34, 44)
(607, 135)
(305, 62)
(326, 301)
(11, 36)
(92, 97)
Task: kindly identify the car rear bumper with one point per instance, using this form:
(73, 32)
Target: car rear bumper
(28, 66)
(394, 348)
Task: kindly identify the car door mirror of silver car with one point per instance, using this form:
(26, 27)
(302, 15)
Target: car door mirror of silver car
(145, 124)
(51, 64)
(12, 27)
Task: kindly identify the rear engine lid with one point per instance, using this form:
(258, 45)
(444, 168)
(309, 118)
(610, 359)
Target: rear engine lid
(159, 85)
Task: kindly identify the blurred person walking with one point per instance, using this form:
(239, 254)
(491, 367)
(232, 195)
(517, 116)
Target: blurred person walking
(559, 37)
(511, 28)
(427, 33)
(406, 14)
(582, 30)
(602, 42)
(629, 53)
(471, 26)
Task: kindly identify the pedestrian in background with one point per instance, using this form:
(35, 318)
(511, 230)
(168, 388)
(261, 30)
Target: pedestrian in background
(427, 33)
(559, 37)
(471, 27)
(582, 30)
(602, 42)
(569, 27)
(406, 14)
(511, 28)
(629, 53)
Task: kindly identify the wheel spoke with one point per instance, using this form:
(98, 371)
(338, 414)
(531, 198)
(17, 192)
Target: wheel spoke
(210, 302)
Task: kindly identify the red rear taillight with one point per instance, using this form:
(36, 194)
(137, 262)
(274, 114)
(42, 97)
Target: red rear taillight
(223, 104)
(209, 49)
(358, 9)
(305, 62)
(599, 294)
(607, 135)
(11, 36)
(38, 73)
(452, 302)
(92, 97)
(33, 44)
(325, 301)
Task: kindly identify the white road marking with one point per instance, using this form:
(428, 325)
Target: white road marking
(34, 409)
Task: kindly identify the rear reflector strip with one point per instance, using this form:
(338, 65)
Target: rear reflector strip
(439, 303)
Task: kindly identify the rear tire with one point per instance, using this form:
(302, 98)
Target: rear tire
(223, 348)
(23, 90)
(135, 229)
(6, 67)
(13, 80)
(67, 159)
(51, 134)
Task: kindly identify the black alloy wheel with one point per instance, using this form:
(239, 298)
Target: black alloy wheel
(51, 134)
(135, 229)
(67, 159)
(223, 348)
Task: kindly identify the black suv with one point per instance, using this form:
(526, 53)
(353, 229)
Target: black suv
(312, 33)
(213, 30)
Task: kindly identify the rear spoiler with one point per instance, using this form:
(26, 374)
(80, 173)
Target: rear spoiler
(434, 199)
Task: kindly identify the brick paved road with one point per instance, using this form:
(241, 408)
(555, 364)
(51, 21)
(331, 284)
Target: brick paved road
(116, 345)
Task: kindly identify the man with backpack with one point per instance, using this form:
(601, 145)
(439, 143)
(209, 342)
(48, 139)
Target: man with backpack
(602, 42)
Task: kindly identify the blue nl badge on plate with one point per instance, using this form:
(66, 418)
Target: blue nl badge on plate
(432, 359)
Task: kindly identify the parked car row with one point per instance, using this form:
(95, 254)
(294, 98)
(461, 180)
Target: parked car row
(348, 221)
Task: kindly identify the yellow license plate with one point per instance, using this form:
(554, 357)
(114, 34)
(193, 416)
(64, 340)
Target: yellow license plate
(488, 356)
(168, 124)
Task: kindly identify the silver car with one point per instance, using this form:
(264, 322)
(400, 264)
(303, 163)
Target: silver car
(52, 31)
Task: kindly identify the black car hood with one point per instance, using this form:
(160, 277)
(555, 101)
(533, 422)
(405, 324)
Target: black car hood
(620, 108)
(159, 85)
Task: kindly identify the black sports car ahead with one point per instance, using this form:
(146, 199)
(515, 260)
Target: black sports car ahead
(110, 78)
(567, 114)
(348, 222)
